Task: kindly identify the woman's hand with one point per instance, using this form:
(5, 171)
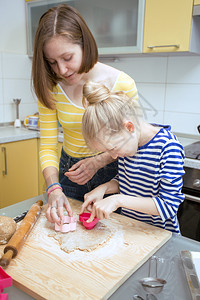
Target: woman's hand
(93, 196)
(83, 170)
(57, 201)
(102, 209)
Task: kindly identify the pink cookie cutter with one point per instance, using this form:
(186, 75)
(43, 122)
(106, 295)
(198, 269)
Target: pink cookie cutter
(69, 224)
(84, 217)
(5, 281)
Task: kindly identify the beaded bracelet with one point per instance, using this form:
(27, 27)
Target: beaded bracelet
(55, 183)
(53, 189)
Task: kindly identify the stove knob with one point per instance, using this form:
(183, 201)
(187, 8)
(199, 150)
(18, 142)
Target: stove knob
(196, 183)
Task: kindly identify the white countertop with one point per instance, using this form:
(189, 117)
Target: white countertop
(12, 134)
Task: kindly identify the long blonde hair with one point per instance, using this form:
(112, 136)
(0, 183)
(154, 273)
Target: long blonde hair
(105, 110)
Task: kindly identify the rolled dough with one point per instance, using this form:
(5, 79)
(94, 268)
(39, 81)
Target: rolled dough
(83, 239)
(7, 229)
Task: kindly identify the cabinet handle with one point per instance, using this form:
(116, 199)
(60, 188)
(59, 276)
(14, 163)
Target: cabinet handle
(163, 46)
(4, 172)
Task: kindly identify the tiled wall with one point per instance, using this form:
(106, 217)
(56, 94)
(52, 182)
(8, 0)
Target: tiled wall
(15, 74)
(171, 85)
(169, 88)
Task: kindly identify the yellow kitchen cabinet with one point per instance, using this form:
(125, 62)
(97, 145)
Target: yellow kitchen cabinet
(42, 184)
(168, 26)
(196, 2)
(18, 171)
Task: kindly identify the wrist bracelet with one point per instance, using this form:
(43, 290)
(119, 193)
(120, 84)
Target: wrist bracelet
(55, 183)
(53, 189)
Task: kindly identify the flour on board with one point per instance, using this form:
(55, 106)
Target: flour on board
(102, 241)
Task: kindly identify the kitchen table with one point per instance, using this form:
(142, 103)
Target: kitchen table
(175, 289)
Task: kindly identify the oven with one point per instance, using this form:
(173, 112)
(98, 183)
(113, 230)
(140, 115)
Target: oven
(189, 210)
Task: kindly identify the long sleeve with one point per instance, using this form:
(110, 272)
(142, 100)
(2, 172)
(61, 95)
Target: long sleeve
(48, 137)
(171, 172)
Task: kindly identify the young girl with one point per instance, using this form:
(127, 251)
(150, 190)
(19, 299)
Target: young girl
(150, 160)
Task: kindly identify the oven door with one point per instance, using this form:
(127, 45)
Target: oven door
(189, 217)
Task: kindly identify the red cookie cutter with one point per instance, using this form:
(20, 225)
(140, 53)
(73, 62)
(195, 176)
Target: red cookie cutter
(84, 217)
(5, 281)
(69, 224)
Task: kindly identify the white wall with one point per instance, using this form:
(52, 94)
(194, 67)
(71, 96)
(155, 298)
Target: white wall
(12, 26)
(15, 66)
(169, 86)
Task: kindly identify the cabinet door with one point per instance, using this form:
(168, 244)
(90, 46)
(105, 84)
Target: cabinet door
(167, 25)
(116, 25)
(18, 171)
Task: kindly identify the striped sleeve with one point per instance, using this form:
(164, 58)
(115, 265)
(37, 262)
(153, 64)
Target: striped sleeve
(48, 153)
(171, 172)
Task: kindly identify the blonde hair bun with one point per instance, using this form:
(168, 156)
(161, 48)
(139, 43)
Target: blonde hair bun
(95, 93)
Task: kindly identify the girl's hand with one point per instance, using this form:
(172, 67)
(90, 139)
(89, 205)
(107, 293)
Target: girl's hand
(83, 170)
(102, 209)
(56, 203)
(93, 196)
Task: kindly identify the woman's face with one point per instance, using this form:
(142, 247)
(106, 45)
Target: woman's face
(65, 58)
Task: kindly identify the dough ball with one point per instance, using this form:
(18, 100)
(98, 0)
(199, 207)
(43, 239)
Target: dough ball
(7, 229)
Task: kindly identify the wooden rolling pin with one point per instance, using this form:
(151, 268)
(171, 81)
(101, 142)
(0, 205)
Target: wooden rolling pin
(20, 235)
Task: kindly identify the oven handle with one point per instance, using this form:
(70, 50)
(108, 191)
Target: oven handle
(192, 198)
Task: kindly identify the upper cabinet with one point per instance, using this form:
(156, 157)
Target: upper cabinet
(130, 26)
(169, 26)
(116, 25)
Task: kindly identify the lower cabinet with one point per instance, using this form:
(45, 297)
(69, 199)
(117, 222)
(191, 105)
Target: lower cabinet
(18, 171)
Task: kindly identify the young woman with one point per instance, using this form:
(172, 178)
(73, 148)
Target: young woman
(150, 160)
(65, 57)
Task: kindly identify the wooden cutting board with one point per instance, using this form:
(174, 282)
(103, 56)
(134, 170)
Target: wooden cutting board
(44, 271)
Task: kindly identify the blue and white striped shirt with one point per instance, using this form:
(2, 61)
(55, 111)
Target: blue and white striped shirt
(155, 171)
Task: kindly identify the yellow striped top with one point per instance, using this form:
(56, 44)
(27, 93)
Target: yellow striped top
(70, 117)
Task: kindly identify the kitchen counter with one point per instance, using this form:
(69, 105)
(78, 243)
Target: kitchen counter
(171, 270)
(11, 134)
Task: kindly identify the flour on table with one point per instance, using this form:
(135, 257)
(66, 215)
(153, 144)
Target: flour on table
(83, 239)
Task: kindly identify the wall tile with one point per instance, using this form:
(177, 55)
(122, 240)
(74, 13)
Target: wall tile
(17, 88)
(28, 109)
(1, 71)
(183, 69)
(143, 69)
(1, 91)
(183, 98)
(156, 118)
(10, 112)
(183, 122)
(152, 95)
(1, 113)
(16, 66)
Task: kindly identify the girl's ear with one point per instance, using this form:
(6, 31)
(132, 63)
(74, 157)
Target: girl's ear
(129, 126)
